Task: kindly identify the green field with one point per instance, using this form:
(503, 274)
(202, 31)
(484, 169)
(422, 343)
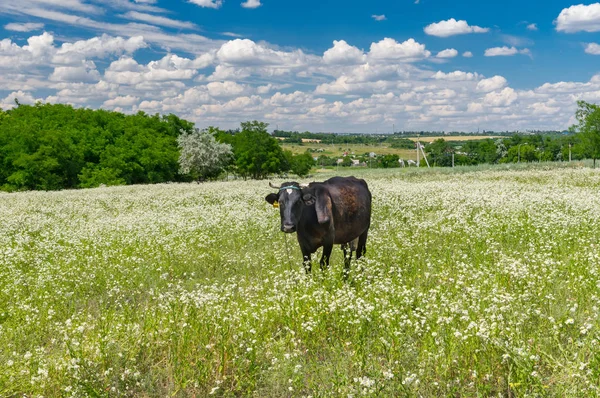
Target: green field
(476, 282)
(337, 150)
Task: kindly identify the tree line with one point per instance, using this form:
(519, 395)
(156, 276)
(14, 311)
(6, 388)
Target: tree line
(582, 141)
(249, 152)
(55, 146)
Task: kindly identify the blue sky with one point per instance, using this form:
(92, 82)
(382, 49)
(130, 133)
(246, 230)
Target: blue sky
(343, 66)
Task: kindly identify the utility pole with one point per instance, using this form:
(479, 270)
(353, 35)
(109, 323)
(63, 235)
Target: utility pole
(569, 152)
(424, 156)
(418, 161)
(423, 152)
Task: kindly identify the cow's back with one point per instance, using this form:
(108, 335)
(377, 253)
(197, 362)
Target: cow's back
(351, 207)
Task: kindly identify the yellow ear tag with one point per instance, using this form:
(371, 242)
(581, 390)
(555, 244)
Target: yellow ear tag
(276, 204)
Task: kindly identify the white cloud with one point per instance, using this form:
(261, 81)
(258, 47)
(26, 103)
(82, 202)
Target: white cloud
(447, 53)
(137, 5)
(592, 48)
(455, 76)
(97, 47)
(121, 101)
(343, 54)
(491, 84)
(579, 18)
(191, 43)
(224, 72)
(475, 107)
(8, 102)
(372, 90)
(232, 34)
(368, 82)
(208, 3)
(564, 87)
(543, 108)
(86, 73)
(37, 52)
(24, 27)
(83, 93)
(40, 8)
(271, 87)
(297, 97)
(158, 20)
(126, 71)
(452, 27)
(500, 98)
(516, 41)
(378, 17)
(390, 49)
(251, 4)
(40, 45)
(125, 64)
(504, 51)
(245, 52)
(467, 54)
(226, 89)
(175, 62)
(532, 27)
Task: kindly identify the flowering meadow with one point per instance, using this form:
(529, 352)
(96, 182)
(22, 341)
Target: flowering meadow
(475, 283)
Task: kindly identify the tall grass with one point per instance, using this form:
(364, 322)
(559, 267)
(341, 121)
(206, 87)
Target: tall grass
(475, 283)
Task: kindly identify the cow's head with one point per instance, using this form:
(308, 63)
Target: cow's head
(292, 198)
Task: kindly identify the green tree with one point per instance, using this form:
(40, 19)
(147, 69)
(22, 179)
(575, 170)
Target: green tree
(301, 164)
(54, 146)
(389, 161)
(257, 154)
(201, 155)
(440, 153)
(588, 126)
(521, 153)
(346, 161)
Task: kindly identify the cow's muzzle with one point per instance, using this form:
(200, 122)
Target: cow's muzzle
(288, 228)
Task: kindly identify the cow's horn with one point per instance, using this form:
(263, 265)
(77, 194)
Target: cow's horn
(273, 186)
(304, 185)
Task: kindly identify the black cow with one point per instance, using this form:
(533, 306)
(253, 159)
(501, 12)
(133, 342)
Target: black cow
(336, 211)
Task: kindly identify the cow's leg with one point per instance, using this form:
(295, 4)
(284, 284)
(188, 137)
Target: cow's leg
(362, 244)
(307, 264)
(326, 254)
(306, 254)
(347, 258)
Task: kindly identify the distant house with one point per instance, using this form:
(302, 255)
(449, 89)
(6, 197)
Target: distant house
(340, 161)
(305, 140)
(355, 162)
(372, 154)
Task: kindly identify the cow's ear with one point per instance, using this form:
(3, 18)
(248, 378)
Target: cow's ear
(323, 207)
(271, 198)
(309, 199)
